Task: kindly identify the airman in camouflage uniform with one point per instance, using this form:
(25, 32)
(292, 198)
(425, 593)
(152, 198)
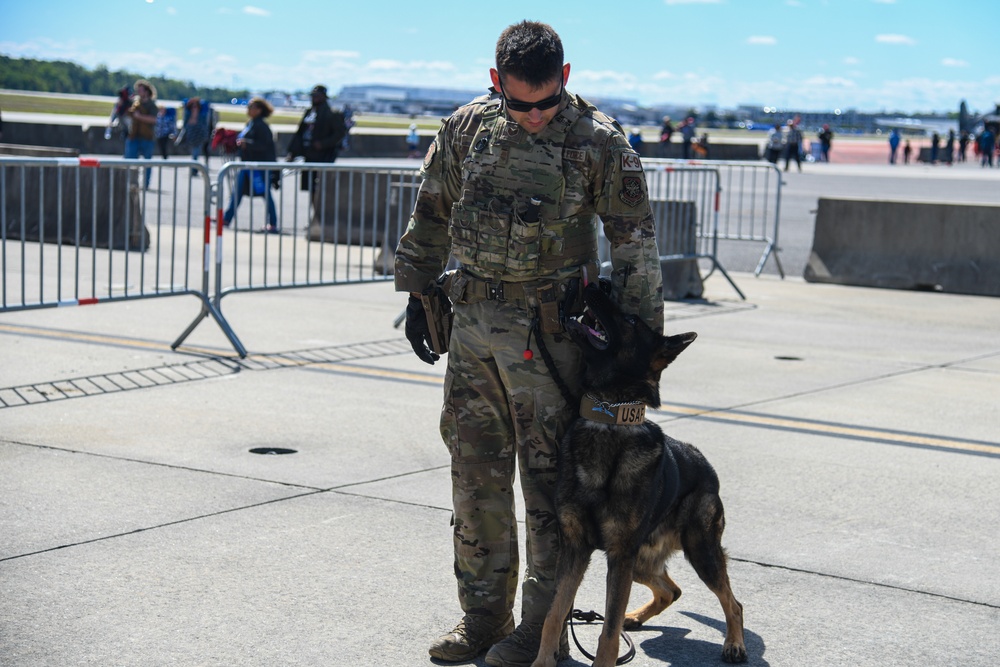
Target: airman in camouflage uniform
(513, 186)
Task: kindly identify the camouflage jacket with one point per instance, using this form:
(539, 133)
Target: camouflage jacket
(601, 176)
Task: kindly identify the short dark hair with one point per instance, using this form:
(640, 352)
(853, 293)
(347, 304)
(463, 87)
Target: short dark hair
(530, 51)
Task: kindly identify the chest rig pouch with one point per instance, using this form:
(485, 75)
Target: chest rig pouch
(492, 232)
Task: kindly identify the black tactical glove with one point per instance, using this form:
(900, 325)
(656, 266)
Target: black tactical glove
(417, 331)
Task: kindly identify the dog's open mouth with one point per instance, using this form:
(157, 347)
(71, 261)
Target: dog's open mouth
(588, 326)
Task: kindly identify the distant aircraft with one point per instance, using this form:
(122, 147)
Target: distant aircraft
(926, 126)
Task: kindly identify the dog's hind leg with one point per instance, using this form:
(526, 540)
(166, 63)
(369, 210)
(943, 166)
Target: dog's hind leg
(665, 592)
(573, 562)
(702, 541)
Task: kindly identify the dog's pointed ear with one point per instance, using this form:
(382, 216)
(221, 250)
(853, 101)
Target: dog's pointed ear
(671, 347)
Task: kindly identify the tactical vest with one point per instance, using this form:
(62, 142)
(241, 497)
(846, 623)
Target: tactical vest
(505, 168)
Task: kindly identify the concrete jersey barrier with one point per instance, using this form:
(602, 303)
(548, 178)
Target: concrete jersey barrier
(951, 248)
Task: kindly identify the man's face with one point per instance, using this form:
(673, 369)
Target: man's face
(535, 120)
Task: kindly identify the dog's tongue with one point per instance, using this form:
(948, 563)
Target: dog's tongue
(589, 323)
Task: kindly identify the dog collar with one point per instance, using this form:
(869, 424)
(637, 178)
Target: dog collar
(627, 414)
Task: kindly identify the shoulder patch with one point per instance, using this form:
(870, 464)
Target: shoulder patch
(574, 154)
(631, 192)
(631, 162)
(431, 152)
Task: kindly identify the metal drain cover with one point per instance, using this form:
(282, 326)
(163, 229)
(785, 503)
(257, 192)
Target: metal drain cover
(272, 450)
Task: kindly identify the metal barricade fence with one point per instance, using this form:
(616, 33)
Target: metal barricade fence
(331, 225)
(750, 206)
(81, 231)
(684, 200)
(78, 231)
(336, 224)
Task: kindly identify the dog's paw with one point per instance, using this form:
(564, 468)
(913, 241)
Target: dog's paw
(733, 652)
(632, 622)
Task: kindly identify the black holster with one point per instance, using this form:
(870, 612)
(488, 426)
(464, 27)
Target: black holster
(437, 307)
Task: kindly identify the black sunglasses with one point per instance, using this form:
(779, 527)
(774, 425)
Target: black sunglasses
(525, 107)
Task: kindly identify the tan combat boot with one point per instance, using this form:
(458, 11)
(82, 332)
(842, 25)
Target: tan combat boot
(521, 648)
(472, 636)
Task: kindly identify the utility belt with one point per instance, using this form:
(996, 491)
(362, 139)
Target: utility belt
(552, 300)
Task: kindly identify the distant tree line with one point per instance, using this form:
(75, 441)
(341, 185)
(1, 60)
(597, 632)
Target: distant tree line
(57, 76)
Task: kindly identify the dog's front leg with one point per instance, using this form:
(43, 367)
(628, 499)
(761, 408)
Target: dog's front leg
(620, 569)
(573, 562)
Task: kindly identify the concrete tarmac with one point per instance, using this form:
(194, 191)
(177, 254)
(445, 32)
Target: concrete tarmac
(854, 430)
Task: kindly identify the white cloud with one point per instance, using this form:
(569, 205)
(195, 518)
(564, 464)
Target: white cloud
(884, 2)
(255, 11)
(851, 60)
(954, 62)
(606, 79)
(422, 66)
(320, 56)
(830, 82)
(693, 2)
(761, 40)
(895, 39)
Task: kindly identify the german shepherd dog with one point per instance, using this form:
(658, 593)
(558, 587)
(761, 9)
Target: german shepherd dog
(628, 489)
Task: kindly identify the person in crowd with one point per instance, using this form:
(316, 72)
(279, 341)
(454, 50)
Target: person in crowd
(987, 145)
(963, 145)
(793, 144)
(119, 117)
(893, 145)
(256, 144)
(666, 132)
(949, 148)
(349, 122)
(635, 140)
(166, 129)
(700, 147)
(825, 142)
(687, 137)
(935, 147)
(907, 152)
(413, 141)
(196, 130)
(775, 144)
(142, 117)
(319, 136)
(507, 407)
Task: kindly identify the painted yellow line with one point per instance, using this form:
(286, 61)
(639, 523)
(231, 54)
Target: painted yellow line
(734, 417)
(432, 380)
(89, 338)
(423, 378)
(833, 429)
(105, 339)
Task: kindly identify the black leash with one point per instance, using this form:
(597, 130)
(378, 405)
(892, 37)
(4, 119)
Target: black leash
(550, 364)
(593, 617)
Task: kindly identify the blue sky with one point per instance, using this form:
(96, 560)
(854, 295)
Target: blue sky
(870, 55)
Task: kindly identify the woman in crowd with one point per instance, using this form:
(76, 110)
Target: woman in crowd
(256, 144)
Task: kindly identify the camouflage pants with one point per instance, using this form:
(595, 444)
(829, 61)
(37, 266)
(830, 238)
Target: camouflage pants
(501, 410)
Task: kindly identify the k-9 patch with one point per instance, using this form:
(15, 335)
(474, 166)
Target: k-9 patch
(631, 162)
(632, 192)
